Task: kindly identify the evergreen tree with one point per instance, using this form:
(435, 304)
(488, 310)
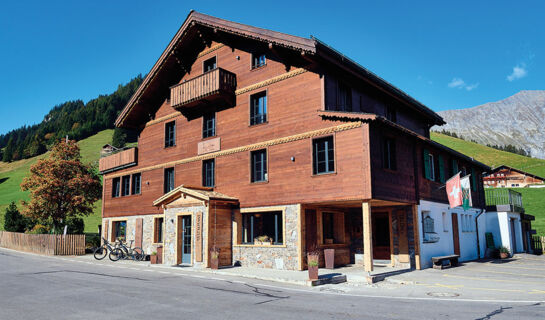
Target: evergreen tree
(8, 152)
(13, 220)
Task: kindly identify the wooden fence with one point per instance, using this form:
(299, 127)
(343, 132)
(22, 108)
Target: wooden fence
(48, 244)
(538, 244)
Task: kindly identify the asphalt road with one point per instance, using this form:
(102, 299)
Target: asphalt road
(37, 287)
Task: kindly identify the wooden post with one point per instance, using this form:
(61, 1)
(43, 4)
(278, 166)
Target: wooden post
(416, 233)
(367, 237)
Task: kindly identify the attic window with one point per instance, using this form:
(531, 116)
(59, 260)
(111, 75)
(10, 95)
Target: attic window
(258, 60)
(209, 64)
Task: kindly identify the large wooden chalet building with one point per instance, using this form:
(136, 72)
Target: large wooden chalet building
(267, 145)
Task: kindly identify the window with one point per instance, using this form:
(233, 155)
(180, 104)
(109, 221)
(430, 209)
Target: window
(323, 155)
(344, 98)
(115, 187)
(258, 60)
(429, 225)
(258, 108)
(474, 179)
(389, 154)
(119, 230)
(125, 185)
(136, 183)
(429, 165)
(208, 173)
(263, 226)
(441, 169)
(158, 230)
(454, 168)
(209, 125)
(328, 227)
(170, 134)
(464, 171)
(259, 165)
(209, 64)
(169, 180)
(391, 114)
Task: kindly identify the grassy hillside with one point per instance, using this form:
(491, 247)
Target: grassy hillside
(490, 156)
(12, 174)
(533, 199)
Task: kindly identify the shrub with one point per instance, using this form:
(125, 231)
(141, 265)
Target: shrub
(39, 229)
(75, 225)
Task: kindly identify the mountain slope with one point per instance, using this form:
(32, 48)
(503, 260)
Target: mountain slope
(518, 120)
(12, 174)
(533, 199)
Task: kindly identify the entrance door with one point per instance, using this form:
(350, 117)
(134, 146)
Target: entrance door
(455, 234)
(186, 239)
(381, 236)
(513, 237)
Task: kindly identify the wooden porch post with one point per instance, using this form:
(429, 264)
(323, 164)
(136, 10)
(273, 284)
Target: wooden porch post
(367, 237)
(416, 237)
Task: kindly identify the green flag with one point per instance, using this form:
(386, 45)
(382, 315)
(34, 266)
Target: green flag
(466, 192)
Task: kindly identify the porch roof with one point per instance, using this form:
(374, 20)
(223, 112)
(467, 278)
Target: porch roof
(201, 193)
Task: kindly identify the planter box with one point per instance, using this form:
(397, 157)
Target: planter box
(329, 255)
(214, 263)
(153, 259)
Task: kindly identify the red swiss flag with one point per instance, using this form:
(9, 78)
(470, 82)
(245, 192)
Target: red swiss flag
(454, 191)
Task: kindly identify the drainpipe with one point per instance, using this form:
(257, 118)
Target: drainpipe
(477, 229)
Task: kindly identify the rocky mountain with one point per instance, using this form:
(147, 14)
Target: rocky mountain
(518, 120)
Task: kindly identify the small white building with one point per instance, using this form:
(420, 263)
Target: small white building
(446, 231)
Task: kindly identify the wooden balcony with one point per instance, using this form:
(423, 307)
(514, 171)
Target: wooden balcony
(118, 160)
(503, 200)
(215, 87)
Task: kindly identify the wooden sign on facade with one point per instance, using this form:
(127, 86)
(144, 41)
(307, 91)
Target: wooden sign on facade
(208, 146)
(198, 236)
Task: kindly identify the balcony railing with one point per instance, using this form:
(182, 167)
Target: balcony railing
(504, 197)
(214, 86)
(118, 160)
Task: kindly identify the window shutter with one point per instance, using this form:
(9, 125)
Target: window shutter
(441, 169)
(427, 165)
(473, 179)
(454, 167)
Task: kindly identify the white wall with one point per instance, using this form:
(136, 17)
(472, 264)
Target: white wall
(445, 243)
(498, 223)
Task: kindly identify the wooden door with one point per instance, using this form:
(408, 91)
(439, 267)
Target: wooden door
(455, 234)
(311, 238)
(138, 232)
(381, 236)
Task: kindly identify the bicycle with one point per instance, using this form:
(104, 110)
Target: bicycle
(101, 252)
(124, 252)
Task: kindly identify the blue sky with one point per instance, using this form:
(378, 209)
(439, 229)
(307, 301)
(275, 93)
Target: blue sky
(446, 55)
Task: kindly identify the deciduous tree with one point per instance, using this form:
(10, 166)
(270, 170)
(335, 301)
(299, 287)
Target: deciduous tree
(61, 187)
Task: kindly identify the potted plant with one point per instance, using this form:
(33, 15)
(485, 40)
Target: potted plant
(153, 258)
(214, 258)
(313, 257)
(504, 252)
(263, 240)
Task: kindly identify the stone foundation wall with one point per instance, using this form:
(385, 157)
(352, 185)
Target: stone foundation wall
(147, 230)
(274, 257)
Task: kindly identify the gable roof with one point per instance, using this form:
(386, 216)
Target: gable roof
(201, 193)
(137, 110)
(517, 170)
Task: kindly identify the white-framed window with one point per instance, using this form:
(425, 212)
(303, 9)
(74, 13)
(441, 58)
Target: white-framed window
(445, 222)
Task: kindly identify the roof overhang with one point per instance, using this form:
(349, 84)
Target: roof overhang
(161, 77)
(199, 193)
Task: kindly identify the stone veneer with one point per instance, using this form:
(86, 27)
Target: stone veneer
(274, 257)
(169, 249)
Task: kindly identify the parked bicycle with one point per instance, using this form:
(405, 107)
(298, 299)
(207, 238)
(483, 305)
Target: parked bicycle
(101, 252)
(124, 252)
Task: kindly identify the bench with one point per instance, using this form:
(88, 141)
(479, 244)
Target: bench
(439, 262)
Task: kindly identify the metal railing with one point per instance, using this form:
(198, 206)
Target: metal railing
(495, 197)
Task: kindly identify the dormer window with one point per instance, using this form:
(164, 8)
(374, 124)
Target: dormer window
(209, 64)
(258, 60)
(344, 98)
(391, 114)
